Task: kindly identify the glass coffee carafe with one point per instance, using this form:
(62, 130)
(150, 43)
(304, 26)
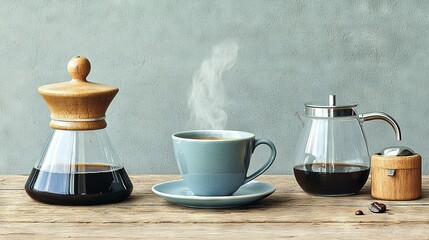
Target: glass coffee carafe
(332, 157)
(79, 165)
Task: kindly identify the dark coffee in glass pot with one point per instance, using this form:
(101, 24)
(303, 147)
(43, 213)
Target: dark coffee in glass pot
(327, 179)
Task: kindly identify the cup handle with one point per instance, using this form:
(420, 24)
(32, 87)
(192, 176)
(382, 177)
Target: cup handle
(268, 163)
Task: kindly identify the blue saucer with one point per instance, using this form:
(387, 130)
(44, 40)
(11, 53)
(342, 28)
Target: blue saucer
(177, 192)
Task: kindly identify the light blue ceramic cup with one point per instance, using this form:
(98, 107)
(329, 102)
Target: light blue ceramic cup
(215, 162)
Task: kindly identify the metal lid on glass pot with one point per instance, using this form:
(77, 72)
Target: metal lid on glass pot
(331, 110)
(78, 104)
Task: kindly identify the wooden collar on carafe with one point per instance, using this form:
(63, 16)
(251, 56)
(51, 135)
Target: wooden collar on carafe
(78, 104)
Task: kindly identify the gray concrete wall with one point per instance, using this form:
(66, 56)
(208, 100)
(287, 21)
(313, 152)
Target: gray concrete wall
(375, 53)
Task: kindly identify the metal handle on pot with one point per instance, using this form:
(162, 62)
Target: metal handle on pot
(385, 117)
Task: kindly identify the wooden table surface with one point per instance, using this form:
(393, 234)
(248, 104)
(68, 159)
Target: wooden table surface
(287, 213)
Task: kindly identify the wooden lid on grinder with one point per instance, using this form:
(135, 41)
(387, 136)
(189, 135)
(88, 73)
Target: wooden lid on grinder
(397, 157)
(78, 104)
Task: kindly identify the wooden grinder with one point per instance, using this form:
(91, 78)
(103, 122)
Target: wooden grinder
(78, 104)
(396, 174)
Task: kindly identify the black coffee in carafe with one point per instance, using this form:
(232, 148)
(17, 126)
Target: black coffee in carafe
(84, 184)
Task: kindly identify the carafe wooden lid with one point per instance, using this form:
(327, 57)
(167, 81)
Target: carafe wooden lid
(78, 104)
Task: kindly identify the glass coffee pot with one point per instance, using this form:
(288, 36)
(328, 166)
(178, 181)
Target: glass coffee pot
(332, 157)
(79, 165)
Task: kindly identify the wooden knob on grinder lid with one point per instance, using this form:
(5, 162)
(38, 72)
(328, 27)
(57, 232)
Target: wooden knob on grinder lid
(78, 104)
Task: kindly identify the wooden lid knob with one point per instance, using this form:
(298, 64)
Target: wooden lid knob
(78, 104)
(78, 68)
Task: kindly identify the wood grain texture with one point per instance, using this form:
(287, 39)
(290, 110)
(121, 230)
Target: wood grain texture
(75, 104)
(404, 184)
(288, 213)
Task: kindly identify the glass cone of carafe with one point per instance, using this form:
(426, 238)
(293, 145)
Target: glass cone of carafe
(79, 167)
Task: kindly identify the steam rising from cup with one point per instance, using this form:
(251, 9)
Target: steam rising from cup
(208, 99)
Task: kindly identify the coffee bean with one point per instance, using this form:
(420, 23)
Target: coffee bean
(359, 212)
(377, 207)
